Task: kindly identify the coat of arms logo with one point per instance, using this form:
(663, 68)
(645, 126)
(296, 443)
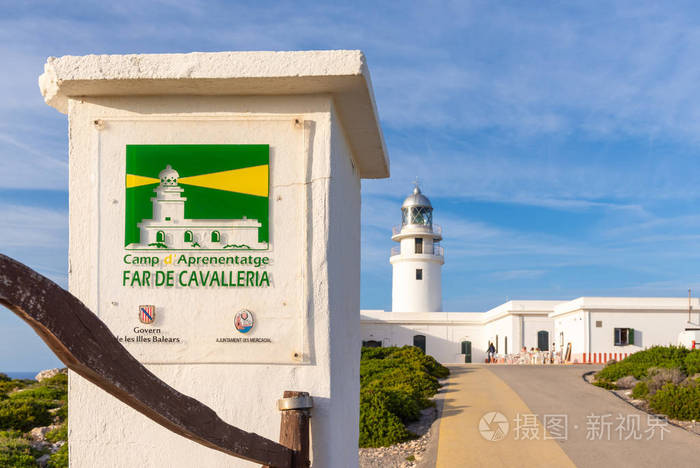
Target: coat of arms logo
(147, 314)
(244, 321)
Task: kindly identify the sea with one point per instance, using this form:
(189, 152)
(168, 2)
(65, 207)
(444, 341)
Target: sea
(21, 375)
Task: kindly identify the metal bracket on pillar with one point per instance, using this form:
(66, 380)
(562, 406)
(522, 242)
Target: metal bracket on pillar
(303, 401)
(294, 425)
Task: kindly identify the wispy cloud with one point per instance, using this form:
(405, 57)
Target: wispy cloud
(517, 274)
(589, 110)
(25, 226)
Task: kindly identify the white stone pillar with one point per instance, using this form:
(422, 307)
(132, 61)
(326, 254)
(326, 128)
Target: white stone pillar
(269, 148)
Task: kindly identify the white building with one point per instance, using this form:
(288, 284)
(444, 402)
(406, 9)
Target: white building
(588, 329)
(169, 228)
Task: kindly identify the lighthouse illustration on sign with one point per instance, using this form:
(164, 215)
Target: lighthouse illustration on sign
(205, 197)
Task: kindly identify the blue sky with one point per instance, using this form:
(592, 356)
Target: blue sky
(559, 143)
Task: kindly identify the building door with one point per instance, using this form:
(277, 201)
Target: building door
(543, 340)
(467, 351)
(419, 342)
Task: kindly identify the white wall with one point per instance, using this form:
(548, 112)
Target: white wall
(497, 331)
(410, 294)
(570, 329)
(532, 325)
(102, 428)
(344, 302)
(650, 328)
(443, 341)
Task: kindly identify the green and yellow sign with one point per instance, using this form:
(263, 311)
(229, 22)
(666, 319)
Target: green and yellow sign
(197, 197)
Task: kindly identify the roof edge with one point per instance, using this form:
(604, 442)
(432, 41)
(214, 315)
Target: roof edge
(342, 73)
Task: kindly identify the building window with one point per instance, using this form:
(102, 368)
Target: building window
(188, 236)
(419, 245)
(167, 218)
(497, 343)
(215, 236)
(599, 324)
(419, 342)
(419, 273)
(543, 340)
(505, 345)
(421, 215)
(160, 237)
(624, 336)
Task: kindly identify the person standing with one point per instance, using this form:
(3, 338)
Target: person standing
(491, 351)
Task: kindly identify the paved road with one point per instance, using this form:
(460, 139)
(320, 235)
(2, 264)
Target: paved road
(552, 391)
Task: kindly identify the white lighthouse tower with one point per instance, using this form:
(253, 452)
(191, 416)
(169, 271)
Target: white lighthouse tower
(417, 261)
(169, 204)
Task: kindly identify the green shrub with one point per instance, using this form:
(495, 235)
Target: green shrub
(40, 393)
(23, 414)
(49, 393)
(62, 414)
(9, 386)
(637, 364)
(605, 384)
(16, 452)
(678, 402)
(395, 384)
(691, 363)
(378, 426)
(11, 434)
(60, 458)
(657, 377)
(4, 377)
(60, 433)
(640, 391)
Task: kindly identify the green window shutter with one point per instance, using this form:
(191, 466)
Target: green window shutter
(630, 335)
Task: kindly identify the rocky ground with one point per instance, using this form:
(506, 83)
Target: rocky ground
(39, 442)
(408, 454)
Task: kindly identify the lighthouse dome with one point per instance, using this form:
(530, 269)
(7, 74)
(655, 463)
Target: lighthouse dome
(417, 210)
(416, 199)
(168, 176)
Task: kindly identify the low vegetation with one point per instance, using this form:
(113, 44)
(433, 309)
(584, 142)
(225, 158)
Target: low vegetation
(667, 377)
(395, 385)
(27, 404)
